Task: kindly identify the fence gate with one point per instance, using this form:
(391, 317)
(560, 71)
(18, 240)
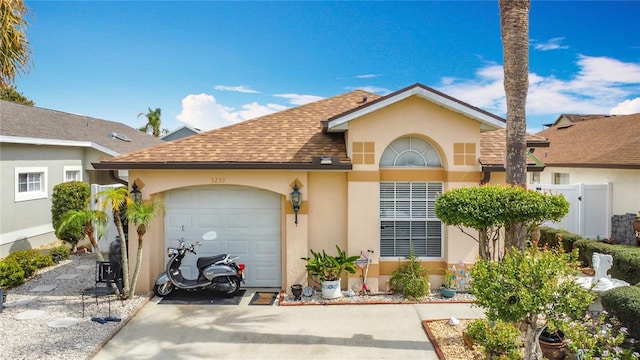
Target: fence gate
(589, 209)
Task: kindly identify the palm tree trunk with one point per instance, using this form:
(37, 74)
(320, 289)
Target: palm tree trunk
(514, 16)
(136, 271)
(94, 244)
(123, 251)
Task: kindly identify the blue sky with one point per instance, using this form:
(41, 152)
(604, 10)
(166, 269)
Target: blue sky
(210, 64)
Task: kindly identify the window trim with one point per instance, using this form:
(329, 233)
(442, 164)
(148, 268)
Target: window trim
(69, 168)
(31, 195)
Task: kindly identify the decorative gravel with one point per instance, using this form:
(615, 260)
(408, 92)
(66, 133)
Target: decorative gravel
(36, 338)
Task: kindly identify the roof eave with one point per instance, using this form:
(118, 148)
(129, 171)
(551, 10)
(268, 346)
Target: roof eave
(596, 165)
(56, 142)
(487, 121)
(217, 166)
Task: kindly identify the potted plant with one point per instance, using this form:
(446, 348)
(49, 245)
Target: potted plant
(326, 269)
(447, 289)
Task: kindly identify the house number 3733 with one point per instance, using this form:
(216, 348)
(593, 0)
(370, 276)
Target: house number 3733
(217, 180)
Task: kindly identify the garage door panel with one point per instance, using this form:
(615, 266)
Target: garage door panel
(209, 220)
(247, 221)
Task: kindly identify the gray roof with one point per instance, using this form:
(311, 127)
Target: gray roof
(30, 124)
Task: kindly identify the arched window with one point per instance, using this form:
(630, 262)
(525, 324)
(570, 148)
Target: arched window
(410, 151)
(408, 222)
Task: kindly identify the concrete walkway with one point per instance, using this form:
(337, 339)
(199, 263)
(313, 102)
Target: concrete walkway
(280, 332)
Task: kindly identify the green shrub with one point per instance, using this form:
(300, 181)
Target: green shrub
(551, 237)
(26, 259)
(71, 195)
(624, 304)
(59, 253)
(11, 273)
(411, 278)
(41, 260)
(501, 341)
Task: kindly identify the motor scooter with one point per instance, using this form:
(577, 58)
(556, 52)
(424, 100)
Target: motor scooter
(219, 273)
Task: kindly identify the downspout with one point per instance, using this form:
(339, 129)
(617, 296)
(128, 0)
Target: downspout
(114, 177)
(486, 177)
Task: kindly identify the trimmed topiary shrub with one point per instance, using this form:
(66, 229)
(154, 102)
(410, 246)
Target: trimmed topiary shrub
(11, 274)
(71, 195)
(624, 303)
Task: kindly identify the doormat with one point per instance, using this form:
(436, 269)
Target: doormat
(263, 298)
(202, 297)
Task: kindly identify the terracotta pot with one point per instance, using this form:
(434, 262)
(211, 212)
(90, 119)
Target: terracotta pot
(553, 346)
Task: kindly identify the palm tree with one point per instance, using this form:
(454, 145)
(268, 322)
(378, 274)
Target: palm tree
(87, 220)
(514, 22)
(141, 215)
(15, 53)
(114, 199)
(153, 122)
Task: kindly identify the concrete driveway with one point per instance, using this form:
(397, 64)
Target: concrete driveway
(280, 332)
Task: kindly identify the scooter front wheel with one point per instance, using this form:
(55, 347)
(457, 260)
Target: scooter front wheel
(163, 290)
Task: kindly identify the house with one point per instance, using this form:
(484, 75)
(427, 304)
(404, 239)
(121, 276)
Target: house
(41, 148)
(369, 168)
(566, 119)
(179, 133)
(596, 150)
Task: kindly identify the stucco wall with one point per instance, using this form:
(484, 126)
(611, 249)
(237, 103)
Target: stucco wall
(625, 184)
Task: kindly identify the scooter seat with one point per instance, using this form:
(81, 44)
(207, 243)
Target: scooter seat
(209, 260)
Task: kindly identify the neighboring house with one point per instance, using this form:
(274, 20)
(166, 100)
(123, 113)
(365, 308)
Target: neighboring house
(595, 150)
(179, 133)
(40, 148)
(565, 119)
(369, 169)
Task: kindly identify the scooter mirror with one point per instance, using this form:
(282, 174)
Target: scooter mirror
(211, 235)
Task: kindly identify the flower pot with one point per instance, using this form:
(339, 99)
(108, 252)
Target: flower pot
(331, 289)
(553, 346)
(448, 293)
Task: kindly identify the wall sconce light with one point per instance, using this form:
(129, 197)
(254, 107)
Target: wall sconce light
(296, 200)
(135, 193)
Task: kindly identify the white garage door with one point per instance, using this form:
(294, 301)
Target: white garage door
(247, 221)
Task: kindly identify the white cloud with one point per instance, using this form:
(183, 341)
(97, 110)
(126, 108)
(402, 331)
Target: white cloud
(371, 89)
(204, 112)
(298, 99)
(241, 88)
(367, 76)
(627, 107)
(551, 44)
(601, 84)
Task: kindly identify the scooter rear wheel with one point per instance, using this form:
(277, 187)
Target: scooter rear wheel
(163, 290)
(235, 288)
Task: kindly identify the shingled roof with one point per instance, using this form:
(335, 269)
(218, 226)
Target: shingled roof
(295, 138)
(493, 145)
(291, 138)
(34, 125)
(606, 142)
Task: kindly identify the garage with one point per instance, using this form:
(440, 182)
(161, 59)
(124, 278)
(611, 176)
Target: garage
(247, 221)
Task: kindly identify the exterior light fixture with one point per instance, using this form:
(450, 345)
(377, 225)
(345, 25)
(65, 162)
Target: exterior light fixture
(135, 193)
(296, 200)
(326, 160)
